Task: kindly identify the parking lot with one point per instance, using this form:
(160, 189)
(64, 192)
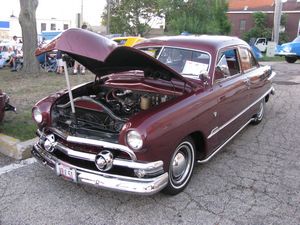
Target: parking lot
(255, 179)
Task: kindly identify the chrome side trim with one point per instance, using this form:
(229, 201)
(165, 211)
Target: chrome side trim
(215, 131)
(229, 139)
(103, 144)
(143, 186)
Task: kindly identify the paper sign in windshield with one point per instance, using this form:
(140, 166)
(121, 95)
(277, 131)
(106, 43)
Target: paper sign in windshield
(194, 68)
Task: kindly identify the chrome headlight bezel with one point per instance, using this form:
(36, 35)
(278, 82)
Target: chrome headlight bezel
(37, 115)
(134, 140)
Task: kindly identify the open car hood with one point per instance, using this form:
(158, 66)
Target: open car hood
(102, 56)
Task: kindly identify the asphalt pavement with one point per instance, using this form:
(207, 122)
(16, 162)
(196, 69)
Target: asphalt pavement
(255, 180)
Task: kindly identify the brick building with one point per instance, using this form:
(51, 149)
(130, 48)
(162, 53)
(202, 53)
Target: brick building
(240, 14)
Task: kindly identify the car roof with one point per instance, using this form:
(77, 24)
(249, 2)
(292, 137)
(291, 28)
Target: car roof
(198, 42)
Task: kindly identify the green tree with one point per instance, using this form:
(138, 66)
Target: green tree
(260, 28)
(131, 16)
(196, 16)
(283, 37)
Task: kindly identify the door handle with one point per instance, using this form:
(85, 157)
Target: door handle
(247, 82)
(222, 98)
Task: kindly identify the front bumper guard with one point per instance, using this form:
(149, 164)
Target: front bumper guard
(285, 54)
(143, 186)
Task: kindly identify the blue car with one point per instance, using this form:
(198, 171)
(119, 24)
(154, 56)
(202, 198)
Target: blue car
(257, 52)
(290, 50)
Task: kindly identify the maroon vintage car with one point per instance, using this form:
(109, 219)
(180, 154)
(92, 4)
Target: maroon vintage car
(152, 111)
(4, 105)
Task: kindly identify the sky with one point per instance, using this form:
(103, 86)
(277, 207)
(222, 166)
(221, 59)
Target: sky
(59, 9)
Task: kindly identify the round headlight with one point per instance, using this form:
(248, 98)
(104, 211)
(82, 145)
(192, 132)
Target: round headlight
(37, 115)
(134, 140)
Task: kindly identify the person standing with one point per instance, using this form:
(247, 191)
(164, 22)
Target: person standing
(77, 64)
(59, 61)
(15, 44)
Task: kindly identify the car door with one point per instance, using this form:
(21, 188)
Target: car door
(256, 74)
(261, 44)
(231, 90)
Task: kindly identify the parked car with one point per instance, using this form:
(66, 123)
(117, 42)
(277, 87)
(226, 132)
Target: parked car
(152, 111)
(290, 50)
(257, 53)
(260, 43)
(4, 105)
(128, 41)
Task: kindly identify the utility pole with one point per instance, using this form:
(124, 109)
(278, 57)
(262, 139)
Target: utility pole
(81, 14)
(277, 17)
(108, 17)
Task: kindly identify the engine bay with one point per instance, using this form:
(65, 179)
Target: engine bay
(104, 111)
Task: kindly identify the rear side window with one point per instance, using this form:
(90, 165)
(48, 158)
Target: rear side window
(247, 59)
(228, 64)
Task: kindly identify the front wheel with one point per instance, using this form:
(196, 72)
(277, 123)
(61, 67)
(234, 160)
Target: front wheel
(260, 113)
(290, 59)
(181, 167)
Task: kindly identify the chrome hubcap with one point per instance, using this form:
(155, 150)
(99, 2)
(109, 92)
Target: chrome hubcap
(181, 165)
(261, 111)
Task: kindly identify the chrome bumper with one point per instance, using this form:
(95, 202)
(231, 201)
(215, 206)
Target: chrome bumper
(285, 54)
(143, 186)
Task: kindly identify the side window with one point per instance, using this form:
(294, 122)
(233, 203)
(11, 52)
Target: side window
(261, 41)
(228, 64)
(247, 59)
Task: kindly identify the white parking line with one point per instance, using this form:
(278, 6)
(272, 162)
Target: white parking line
(15, 166)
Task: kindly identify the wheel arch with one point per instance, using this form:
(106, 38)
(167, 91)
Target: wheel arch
(267, 98)
(200, 144)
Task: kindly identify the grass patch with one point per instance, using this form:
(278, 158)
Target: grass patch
(24, 92)
(272, 59)
(19, 125)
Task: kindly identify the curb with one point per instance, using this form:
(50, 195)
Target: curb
(14, 148)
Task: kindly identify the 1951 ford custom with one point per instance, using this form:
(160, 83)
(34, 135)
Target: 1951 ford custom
(152, 111)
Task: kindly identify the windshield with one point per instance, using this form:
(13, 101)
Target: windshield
(297, 39)
(189, 63)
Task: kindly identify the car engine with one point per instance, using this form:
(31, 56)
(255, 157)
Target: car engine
(104, 113)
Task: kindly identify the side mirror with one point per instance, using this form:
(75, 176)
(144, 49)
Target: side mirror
(204, 76)
(223, 71)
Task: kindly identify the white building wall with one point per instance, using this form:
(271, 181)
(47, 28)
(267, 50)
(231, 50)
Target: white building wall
(59, 24)
(15, 28)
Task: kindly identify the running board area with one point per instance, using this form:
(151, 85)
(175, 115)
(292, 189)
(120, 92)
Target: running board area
(229, 139)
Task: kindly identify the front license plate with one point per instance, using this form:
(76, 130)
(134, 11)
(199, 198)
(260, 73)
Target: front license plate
(66, 172)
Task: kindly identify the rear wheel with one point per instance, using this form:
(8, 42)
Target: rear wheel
(290, 59)
(260, 113)
(181, 167)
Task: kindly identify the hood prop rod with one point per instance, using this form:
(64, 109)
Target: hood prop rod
(73, 113)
